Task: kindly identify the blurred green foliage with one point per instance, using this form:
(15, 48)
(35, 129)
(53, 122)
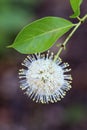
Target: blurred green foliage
(14, 14)
(75, 114)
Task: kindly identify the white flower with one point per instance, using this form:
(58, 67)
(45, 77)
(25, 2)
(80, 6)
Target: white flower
(43, 79)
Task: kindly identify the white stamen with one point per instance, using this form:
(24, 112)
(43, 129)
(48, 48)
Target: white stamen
(44, 80)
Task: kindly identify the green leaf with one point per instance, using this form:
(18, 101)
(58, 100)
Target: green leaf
(75, 4)
(40, 35)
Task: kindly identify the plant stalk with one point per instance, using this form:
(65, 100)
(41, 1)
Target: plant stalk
(81, 20)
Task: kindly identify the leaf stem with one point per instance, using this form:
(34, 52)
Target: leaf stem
(84, 18)
(66, 40)
(81, 20)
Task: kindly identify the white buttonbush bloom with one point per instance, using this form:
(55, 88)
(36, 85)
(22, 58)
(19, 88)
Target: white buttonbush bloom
(43, 79)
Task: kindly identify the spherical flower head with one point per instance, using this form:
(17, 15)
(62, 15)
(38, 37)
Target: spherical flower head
(43, 79)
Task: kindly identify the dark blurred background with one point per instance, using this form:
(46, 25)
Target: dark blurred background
(17, 111)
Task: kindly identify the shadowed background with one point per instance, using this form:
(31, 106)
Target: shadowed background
(17, 111)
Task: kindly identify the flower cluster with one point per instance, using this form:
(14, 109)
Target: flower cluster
(43, 79)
